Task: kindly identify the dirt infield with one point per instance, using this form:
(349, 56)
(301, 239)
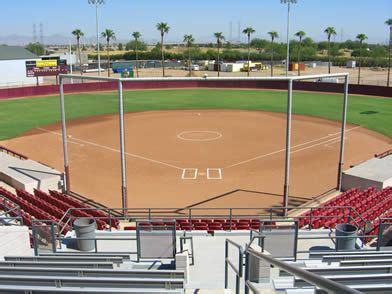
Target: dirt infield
(200, 158)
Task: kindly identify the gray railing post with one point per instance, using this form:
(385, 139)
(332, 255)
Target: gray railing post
(310, 219)
(240, 269)
(53, 237)
(380, 231)
(35, 243)
(226, 265)
(247, 272)
(230, 217)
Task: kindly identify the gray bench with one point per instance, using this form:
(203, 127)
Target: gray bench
(86, 254)
(349, 280)
(83, 272)
(107, 265)
(347, 270)
(364, 262)
(334, 258)
(46, 289)
(77, 259)
(321, 254)
(96, 282)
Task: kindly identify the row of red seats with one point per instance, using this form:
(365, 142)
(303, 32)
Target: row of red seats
(38, 202)
(65, 206)
(369, 204)
(10, 207)
(25, 206)
(204, 224)
(89, 210)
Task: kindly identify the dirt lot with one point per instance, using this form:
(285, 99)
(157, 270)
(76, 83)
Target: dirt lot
(369, 76)
(200, 158)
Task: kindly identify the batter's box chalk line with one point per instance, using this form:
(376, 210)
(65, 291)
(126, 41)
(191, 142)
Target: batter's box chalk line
(189, 173)
(214, 173)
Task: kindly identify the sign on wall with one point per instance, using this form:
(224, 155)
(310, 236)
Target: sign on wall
(48, 67)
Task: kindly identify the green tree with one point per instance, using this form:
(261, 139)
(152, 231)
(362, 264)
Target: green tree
(300, 35)
(109, 35)
(389, 23)
(36, 48)
(219, 38)
(330, 31)
(259, 44)
(120, 47)
(136, 36)
(78, 34)
(132, 45)
(188, 40)
(273, 36)
(360, 38)
(163, 28)
(248, 31)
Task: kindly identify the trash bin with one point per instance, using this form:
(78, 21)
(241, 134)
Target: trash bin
(85, 228)
(346, 243)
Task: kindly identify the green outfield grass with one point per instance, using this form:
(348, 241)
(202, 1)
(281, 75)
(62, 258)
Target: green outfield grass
(20, 115)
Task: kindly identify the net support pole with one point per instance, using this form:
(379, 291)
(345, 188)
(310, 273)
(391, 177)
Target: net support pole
(122, 149)
(288, 148)
(64, 138)
(342, 135)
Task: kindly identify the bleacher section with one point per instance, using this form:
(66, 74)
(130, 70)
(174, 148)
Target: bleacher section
(357, 269)
(82, 274)
(364, 208)
(53, 207)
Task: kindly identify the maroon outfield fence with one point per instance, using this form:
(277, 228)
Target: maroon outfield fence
(276, 85)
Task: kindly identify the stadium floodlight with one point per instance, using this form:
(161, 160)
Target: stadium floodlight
(288, 32)
(97, 3)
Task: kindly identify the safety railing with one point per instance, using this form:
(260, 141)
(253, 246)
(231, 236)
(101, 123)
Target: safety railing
(191, 254)
(227, 214)
(238, 270)
(12, 153)
(315, 280)
(10, 214)
(384, 229)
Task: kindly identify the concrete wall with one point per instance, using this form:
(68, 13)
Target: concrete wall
(15, 240)
(13, 73)
(276, 85)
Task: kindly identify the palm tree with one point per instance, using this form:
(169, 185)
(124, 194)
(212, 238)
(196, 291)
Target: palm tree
(188, 39)
(273, 35)
(361, 38)
(248, 31)
(219, 38)
(136, 36)
(389, 23)
(164, 28)
(300, 35)
(109, 35)
(78, 33)
(330, 31)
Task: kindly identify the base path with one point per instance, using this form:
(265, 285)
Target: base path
(200, 158)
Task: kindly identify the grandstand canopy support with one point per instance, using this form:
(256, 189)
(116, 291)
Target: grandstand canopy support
(290, 80)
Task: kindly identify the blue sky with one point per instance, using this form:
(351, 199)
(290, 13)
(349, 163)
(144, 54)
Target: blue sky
(199, 17)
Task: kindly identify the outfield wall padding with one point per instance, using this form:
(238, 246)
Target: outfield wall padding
(275, 85)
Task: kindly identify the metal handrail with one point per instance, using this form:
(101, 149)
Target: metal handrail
(239, 271)
(316, 280)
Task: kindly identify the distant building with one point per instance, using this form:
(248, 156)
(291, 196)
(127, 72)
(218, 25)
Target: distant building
(13, 68)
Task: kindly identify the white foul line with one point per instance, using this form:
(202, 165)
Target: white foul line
(114, 150)
(281, 150)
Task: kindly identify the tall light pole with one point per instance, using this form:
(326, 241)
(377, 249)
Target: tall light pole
(288, 33)
(96, 3)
